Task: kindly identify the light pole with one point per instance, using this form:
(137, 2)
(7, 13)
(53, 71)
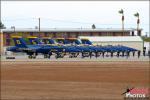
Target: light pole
(122, 13)
(138, 20)
(13, 27)
(39, 24)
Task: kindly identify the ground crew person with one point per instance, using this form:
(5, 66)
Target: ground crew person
(118, 54)
(82, 54)
(149, 53)
(111, 54)
(144, 51)
(123, 53)
(90, 55)
(128, 53)
(96, 54)
(133, 53)
(139, 52)
(107, 54)
(100, 54)
(103, 53)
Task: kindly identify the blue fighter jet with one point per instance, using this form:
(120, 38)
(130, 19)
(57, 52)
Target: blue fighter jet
(32, 50)
(21, 46)
(96, 50)
(86, 52)
(112, 49)
(72, 51)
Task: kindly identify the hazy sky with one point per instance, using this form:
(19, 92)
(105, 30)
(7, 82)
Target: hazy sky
(74, 14)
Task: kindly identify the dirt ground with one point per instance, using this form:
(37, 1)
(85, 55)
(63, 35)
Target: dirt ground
(71, 80)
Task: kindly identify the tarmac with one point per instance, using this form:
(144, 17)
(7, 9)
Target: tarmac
(40, 79)
(72, 78)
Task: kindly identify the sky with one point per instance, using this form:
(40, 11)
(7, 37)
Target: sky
(74, 14)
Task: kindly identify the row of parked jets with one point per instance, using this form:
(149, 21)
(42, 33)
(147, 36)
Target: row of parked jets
(61, 47)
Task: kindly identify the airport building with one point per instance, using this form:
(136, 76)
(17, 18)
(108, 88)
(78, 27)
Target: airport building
(65, 33)
(6, 34)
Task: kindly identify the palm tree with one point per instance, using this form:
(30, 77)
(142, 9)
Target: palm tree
(122, 13)
(138, 20)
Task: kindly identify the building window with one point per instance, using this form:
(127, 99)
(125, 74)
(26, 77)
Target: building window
(7, 35)
(46, 34)
(54, 34)
(31, 33)
(65, 35)
(7, 42)
(77, 34)
(100, 34)
(39, 35)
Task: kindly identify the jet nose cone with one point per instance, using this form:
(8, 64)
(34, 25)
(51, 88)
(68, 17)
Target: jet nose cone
(78, 50)
(63, 50)
(75, 50)
(8, 49)
(93, 50)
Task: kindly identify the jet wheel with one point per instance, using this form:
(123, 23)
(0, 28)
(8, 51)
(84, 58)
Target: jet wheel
(30, 56)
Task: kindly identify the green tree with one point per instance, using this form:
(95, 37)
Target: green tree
(2, 25)
(93, 26)
(121, 11)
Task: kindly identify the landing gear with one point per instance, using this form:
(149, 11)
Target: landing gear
(32, 57)
(82, 54)
(59, 55)
(73, 55)
(86, 54)
(56, 56)
(47, 56)
(96, 54)
(90, 54)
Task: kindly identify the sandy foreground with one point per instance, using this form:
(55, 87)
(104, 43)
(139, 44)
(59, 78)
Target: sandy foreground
(71, 80)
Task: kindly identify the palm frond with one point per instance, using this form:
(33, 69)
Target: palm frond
(136, 14)
(121, 11)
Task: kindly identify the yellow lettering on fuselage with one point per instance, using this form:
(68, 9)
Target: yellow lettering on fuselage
(18, 42)
(33, 42)
(47, 42)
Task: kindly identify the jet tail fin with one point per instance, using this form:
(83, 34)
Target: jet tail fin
(48, 41)
(34, 40)
(86, 41)
(19, 41)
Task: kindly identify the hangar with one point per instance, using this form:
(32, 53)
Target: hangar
(130, 41)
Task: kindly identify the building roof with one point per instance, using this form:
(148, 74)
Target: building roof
(113, 38)
(68, 30)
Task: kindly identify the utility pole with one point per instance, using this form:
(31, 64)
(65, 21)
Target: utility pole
(39, 24)
(13, 27)
(123, 23)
